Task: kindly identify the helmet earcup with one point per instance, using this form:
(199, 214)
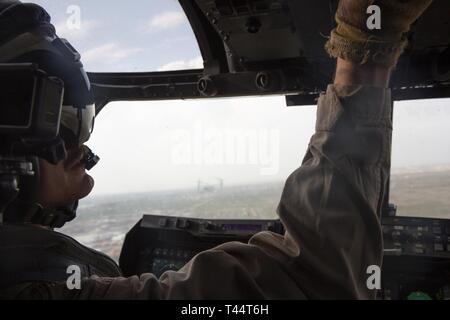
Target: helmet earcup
(19, 209)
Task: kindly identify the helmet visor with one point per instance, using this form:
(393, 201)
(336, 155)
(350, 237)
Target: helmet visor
(79, 124)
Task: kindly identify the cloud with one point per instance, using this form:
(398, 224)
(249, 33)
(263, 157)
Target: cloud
(167, 20)
(196, 63)
(108, 53)
(65, 30)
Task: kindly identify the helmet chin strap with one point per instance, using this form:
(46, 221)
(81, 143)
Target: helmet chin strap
(57, 218)
(25, 209)
(52, 218)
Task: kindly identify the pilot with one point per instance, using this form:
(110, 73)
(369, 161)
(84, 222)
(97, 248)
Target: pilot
(330, 206)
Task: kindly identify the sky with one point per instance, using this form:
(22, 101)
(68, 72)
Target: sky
(149, 146)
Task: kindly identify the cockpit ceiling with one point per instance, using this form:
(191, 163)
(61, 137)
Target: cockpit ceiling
(280, 42)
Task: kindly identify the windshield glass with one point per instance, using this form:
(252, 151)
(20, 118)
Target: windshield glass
(118, 36)
(221, 158)
(420, 179)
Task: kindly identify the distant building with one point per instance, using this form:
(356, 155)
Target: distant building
(208, 187)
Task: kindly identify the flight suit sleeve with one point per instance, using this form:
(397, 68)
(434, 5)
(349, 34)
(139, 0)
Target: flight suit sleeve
(330, 208)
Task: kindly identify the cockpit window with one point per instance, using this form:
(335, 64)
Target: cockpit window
(212, 159)
(229, 158)
(118, 36)
(420, 180)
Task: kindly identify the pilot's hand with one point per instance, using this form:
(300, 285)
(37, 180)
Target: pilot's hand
(376, 34)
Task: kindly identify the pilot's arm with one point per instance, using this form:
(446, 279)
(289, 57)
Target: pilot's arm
(330, 206)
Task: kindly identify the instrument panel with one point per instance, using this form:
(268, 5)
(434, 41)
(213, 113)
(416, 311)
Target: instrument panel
(416, 263)
(160, 243)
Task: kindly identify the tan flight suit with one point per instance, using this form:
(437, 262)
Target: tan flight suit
(331, 210)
